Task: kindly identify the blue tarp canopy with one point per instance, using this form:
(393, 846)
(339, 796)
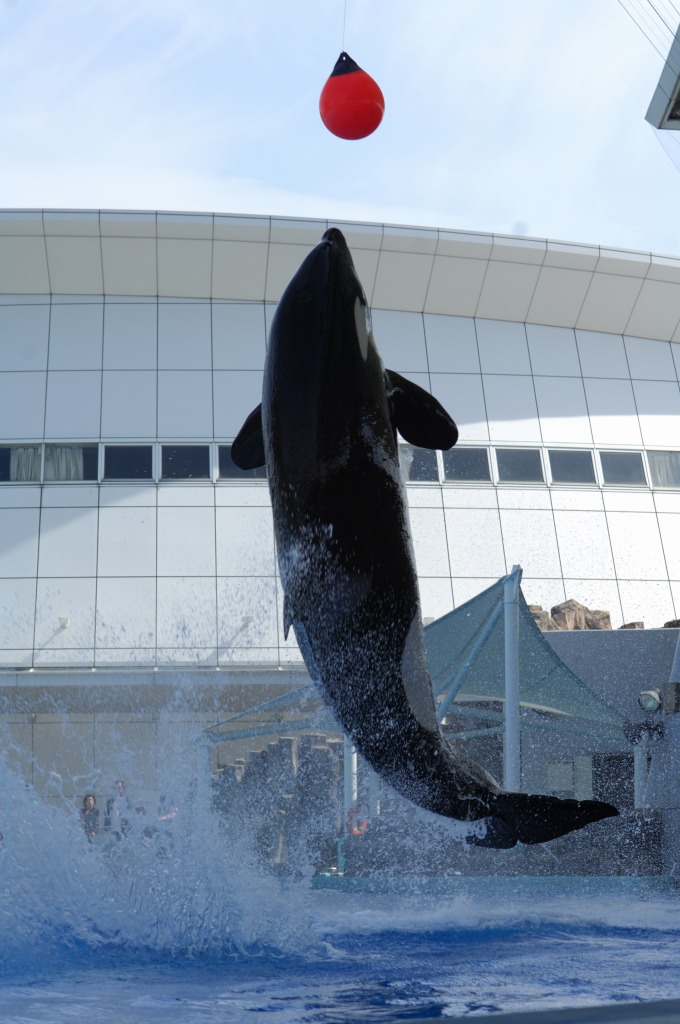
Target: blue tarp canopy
(465, 652)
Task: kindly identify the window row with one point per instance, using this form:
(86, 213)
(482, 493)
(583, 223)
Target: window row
(93, 462)
(36, 463)
(537, 466)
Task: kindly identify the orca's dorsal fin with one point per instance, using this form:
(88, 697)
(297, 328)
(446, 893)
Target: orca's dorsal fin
(419, 418)
(247, 451)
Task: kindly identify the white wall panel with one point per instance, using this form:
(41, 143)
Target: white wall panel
(182, 494)
(184, 403)
(400, 338)
(247, 613)
(118, 495)
(128, 404)
(76, 337)
(429, 541)
(598, 595)
(235, 397)
(675, 351)
(238, 336)
(187, 613)
(602, 355)
(436, 597)
(636, 544)
(613, 415)
(546, 592)
(17, 612)
(14, 658)
(562, 409)
(68, 542)
(127, 542)
(519, 497)
(675, 591)
(469, 497)
(424, 497)
(451, 344)
(124, 657)
(22, 405)
(465, 588)
(73, 404)
(553, 351)
(245, 542)
(658, 405)
(184, 334)
(584, 545)
(618, 500)
(584, 501)
(511, 408)
(19, 496)
(665, 502)
(649, 360)
(19, 544)
(650, 602)
(24, 332)
(462, 396)
(529, 540)
(70, 496)
(186, 542)
(130, 336)
(126, 613)
(669, 526)
(475, 542)
(72, 599)
(255, 494)
(502, 347)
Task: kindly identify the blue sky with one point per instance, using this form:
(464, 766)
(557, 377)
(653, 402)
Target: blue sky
(518, 117)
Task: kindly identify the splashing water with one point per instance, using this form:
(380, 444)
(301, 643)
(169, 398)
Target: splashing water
(180, 921)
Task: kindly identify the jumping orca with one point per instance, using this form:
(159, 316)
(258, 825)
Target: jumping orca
(327, 432)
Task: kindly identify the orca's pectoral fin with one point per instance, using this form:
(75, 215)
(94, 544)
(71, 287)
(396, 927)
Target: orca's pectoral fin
(538, 819)
(247, 451)
(417, 415)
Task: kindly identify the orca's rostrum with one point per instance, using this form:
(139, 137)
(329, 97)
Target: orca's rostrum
(327, 432)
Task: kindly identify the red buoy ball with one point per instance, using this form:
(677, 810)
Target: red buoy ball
(351, 103)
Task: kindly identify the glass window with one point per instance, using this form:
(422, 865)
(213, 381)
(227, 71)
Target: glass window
(519, 465)
(20, 462)
(71, 462)
(418, 464)
(128, 462)
(185, 462)
(623, 468)
(571, 467)
(665, 468)
(230, 471)
(466, 464)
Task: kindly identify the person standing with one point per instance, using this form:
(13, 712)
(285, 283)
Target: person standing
(118, 810)
(89, 816)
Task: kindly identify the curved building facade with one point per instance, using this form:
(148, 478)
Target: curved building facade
(131, 350)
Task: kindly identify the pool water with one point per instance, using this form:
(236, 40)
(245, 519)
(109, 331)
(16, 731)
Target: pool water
(184, 924)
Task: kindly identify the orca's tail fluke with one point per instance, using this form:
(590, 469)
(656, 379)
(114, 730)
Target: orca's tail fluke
(522, 818)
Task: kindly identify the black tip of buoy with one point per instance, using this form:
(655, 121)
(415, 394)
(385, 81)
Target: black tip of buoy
(344, 65)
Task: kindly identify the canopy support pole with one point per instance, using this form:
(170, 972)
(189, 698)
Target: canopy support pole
(511, 737)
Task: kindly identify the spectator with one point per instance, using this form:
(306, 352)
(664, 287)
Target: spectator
(89, 816)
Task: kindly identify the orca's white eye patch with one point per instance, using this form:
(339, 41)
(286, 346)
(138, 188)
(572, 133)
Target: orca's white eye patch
(362, 319)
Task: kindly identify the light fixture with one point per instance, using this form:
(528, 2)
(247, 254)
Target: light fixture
(650, 700)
